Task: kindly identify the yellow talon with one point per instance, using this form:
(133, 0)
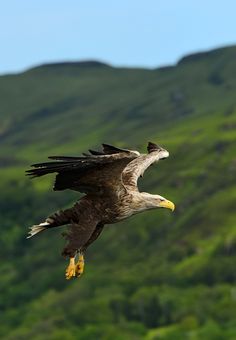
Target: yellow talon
(70, 270)
(79, 267)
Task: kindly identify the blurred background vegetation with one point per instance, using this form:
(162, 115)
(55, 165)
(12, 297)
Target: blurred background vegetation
(157, 275)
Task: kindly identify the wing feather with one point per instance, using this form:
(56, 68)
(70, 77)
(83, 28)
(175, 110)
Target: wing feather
(137, 167)
(96, 173)
(99, 172)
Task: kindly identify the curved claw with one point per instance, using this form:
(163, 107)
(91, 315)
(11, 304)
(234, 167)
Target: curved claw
(79, 267)
(70, 270)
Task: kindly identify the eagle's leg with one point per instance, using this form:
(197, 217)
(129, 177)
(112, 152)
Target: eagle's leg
(70, 270)
(79, 267)
(77, 245)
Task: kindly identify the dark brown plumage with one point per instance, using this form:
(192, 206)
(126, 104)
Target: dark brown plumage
(109, 180)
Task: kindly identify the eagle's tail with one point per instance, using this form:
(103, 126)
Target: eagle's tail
(57, 219)
(35, 229)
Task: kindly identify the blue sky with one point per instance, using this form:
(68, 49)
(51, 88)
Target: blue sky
(146, 33)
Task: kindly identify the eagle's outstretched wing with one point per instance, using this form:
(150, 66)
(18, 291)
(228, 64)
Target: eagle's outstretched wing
(95, 173)
(136, 167)
(99, 172)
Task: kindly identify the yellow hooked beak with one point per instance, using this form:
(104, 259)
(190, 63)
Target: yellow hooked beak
(167, 204)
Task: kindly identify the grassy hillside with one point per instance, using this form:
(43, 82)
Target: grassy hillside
(158, 275)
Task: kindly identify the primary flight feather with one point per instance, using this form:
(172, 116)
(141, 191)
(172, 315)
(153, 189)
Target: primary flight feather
(109, 180)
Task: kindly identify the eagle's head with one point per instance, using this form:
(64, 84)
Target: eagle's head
(156, 201)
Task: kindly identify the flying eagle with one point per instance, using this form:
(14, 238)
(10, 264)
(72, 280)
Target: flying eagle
(109, 181)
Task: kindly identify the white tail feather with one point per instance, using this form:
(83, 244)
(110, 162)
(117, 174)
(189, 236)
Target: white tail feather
(35, 229)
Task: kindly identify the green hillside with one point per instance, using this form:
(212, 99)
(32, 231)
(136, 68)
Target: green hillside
(158, 275)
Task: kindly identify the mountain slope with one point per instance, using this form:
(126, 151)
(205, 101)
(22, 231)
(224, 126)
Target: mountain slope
(157, 275)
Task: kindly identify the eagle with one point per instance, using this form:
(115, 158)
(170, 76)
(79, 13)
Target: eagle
(108, 178)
